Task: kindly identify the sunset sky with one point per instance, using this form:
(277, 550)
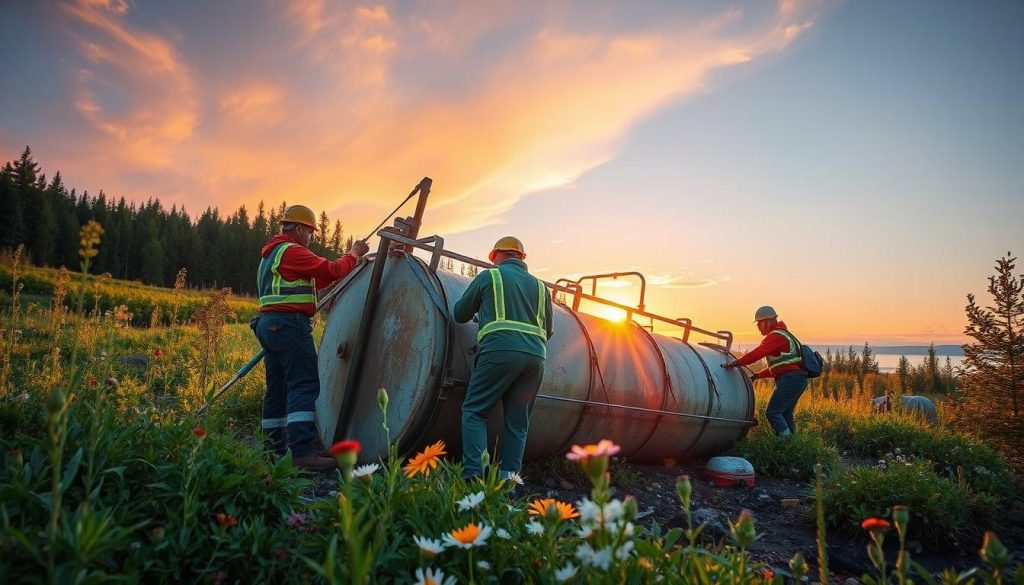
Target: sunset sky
(858, 165)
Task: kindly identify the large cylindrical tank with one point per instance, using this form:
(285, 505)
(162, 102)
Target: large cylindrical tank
(656, 396)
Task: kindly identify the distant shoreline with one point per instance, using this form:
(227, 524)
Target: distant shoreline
(908, 350)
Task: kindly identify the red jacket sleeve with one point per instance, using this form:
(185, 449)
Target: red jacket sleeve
(771, 344)
(299, 262)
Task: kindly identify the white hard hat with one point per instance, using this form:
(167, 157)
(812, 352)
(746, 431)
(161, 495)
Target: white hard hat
(765, 312)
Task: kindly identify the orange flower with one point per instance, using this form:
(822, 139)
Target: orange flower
(425, 460)
(767, 574)
(874, 525)
(225, 520)
(158, 353)
(603, 448)
(541, 507)
(93, 381)
(468, 536)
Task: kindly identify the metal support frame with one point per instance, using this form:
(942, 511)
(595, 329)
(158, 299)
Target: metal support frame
(574, 288)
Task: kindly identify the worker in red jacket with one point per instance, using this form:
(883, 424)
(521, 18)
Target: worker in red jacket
(781, 349)
(287, 280)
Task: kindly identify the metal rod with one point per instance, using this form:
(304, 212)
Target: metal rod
(749, 423)
(421, 205)
(348, 397)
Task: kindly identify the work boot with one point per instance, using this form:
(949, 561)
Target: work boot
(315, 463)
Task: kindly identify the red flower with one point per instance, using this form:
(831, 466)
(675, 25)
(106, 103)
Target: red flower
(158, 353)
(349, 446)
(93, 381)
(225, 520)
(875, 525)
(767, 574)
(199, 432)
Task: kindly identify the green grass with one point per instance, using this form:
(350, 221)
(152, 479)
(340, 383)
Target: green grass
(102, 475)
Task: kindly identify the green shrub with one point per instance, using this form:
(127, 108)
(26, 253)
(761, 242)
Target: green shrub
(940, 510)
(790, 457)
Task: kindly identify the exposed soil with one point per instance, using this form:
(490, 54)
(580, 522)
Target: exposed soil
(783, 513)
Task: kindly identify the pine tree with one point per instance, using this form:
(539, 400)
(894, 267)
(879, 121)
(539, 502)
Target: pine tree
(322, 230)
(903, 374)
(993, 377)
(868, 362)
(337, 237)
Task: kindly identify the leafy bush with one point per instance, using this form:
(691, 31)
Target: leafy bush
(790, 457)
(955, 457)
(940, 510)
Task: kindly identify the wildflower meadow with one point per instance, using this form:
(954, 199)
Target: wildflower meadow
(108, 473)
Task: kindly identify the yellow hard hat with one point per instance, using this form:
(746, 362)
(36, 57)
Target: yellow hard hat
(509, 244)
(765, 312)
(300, 214)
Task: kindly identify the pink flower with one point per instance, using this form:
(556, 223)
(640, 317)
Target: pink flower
(603, 448)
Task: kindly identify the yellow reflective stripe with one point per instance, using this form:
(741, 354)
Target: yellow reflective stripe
(498, 288)
(540, 303)
(268, 300)
(511, 326)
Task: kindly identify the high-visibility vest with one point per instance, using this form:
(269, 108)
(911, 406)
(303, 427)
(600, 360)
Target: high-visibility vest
(275, 290)
(500, 323)
(790, 356)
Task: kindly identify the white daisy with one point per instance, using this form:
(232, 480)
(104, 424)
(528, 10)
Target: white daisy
(502, 533)
(433, 577)
(535, 528)
(514, 477)
(429, 547)
(365, 471)
(471, 501)
(483, 565)
(601, 559)
(565, 573)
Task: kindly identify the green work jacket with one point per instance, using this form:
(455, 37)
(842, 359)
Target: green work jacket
(521, 295)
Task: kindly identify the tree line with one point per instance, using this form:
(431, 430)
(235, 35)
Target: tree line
(146, 241)
(929, 377)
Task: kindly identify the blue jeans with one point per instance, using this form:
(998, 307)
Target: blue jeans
(788, 389)
(293, 380)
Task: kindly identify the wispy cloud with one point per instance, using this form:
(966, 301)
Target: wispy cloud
(356, 102)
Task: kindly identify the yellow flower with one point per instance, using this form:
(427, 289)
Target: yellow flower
(541, 507)
(425, 460)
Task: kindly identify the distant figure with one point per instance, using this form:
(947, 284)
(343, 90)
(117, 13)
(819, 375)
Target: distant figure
(918, 406)
(782, 351)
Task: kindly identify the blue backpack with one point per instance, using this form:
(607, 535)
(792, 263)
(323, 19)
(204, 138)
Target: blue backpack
(812, 361)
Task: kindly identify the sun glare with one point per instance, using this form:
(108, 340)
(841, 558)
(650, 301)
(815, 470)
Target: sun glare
(609, 313)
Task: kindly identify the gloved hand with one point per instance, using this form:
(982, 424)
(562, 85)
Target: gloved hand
(359, 248)
(729, 365)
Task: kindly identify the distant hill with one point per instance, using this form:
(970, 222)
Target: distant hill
(940, 350)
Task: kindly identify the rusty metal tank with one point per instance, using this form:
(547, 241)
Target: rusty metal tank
(656, 396)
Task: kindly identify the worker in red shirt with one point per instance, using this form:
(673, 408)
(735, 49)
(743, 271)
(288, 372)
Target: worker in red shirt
(782, 351)
(287, 280)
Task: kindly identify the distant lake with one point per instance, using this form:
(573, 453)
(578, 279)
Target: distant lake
(888, 362)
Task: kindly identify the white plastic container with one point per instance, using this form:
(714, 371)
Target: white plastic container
(729, 471)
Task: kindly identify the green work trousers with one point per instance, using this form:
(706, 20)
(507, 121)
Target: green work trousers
(512, 377)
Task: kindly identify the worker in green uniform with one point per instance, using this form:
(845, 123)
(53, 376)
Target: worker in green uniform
(514, 311)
